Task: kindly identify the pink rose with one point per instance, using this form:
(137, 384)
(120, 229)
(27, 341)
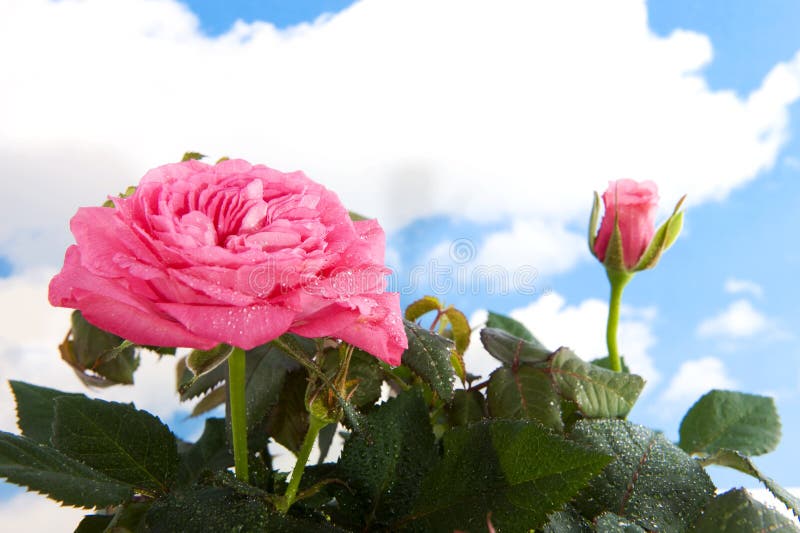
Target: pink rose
(634, 206)
(231, 253)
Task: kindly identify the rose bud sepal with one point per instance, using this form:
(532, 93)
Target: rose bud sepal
(593, 223)
(664, 238)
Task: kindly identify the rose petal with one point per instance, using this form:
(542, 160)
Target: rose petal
(141, 327)
(244, 327)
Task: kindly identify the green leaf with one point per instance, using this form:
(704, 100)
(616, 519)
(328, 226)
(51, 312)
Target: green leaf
(222, 503)
(651, 481)
(518, 470)
(605, 362)
(424, 305)
(210, 401)
(731, 420)
(118, 440)
(94, 523)
(188, 156)
(385, 461)
(612, 523)
(738, 512)
(598, 393)
(513, 327)
(35, 409)
(191, 386)
(733, 459)
(325, 440)
(459, 326)
(266, 370)
(428, 355)
(203, 361)
(206, 509)
(45, 470)
(467, 406)
(567, 521)
(524, 392)
(210, 452)
(288, 420)
(511, 350)
(99, 358)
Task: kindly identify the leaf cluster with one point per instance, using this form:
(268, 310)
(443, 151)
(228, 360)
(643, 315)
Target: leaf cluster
(541, 444)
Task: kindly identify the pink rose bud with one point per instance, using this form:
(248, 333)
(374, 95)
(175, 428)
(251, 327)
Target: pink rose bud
(234, 253)
(627, 239)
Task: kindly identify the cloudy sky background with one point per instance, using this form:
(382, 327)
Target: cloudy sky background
(475, 131)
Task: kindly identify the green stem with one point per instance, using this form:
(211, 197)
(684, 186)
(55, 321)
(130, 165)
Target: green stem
(618, 281)
(236, 380)
(314, 426)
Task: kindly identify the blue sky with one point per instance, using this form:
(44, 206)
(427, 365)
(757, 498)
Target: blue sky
(739, 230)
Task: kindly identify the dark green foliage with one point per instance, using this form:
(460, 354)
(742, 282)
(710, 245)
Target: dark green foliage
(288, 420)
(94, 523)
(524, 392)
(567, 521)
(428, 355)
(219, 502)
(466, 407)
(651, 481)
(553, 388)
(516, 470)
(384, 462)
(210, 452)
(265, 374)
(99, 358)
(612, 523)
(118, 440)
(46, 470)
(35, 411)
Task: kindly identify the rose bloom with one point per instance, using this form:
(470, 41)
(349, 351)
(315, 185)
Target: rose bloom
(230, 253)
(634, 205)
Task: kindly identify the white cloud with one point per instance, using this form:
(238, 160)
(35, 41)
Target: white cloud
(547, 247)
(693, 379)
(582, 328)
(518, 113)
(33, 512)
(740, 320)
(743, 286)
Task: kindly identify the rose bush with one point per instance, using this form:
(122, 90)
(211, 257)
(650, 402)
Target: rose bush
(230, 253)
(633, 206)
(239, 254)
